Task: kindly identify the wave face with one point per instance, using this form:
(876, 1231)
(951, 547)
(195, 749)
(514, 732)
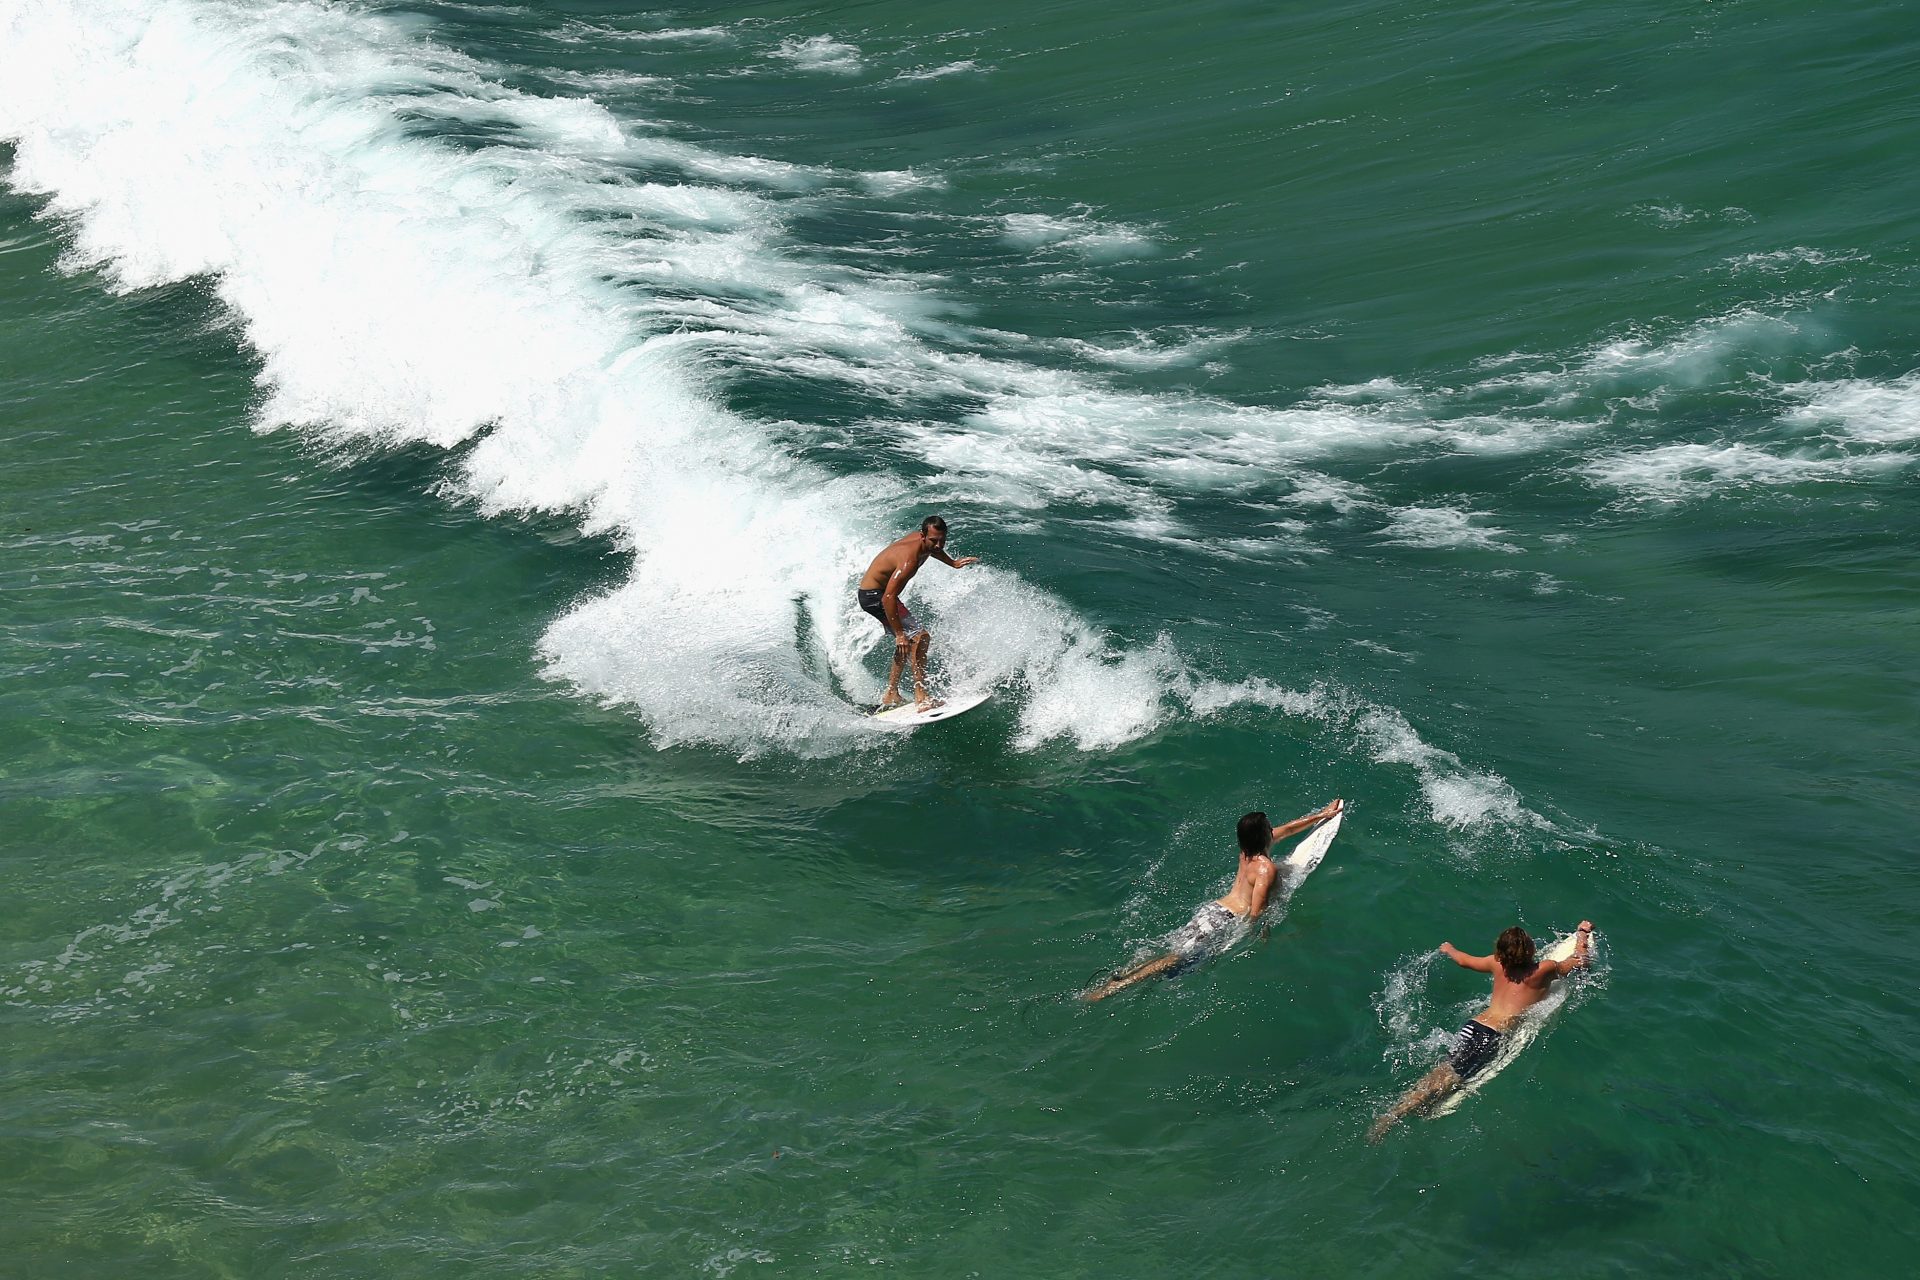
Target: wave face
(495, 301)
(557, 294)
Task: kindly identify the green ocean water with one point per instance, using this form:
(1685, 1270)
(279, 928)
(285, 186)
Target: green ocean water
(1505, 419)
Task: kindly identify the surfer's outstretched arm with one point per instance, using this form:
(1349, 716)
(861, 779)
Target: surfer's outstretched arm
(1313, 819)
(1139, 972)
(1479, 964)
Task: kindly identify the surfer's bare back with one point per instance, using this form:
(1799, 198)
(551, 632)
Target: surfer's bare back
(1519, 983)
(879, 595)
(1216, 922)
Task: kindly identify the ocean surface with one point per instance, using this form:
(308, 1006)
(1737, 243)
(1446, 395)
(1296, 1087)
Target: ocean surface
(439, 827)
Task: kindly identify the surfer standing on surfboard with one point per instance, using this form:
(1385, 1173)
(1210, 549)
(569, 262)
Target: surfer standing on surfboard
(1519, 983)
(879, 595)
(1216, 923)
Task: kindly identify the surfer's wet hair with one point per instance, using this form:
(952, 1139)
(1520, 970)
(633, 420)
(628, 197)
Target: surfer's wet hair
(1514, 949)
(933, 524)
(1256, 833)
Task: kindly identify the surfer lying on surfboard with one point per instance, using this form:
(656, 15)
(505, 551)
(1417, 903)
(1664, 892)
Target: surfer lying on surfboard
(879, 595)
(1519, 983)
(1217, 923)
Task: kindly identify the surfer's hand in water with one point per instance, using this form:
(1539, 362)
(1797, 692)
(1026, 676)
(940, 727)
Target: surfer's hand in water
(964, 561)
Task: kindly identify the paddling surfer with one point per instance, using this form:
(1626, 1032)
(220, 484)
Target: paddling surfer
(1519, 983)
(879, 595)
(1216, 923)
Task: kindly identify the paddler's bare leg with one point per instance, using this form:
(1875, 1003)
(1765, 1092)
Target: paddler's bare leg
(1433, 1086)
(1139, 973)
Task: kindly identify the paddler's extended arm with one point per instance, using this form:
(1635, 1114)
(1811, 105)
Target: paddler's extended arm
(948, 560)
(1481, 964)
(1298, 825)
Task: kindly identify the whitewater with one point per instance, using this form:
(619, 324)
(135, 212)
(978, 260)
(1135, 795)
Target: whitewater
(441, 440)
(555, 296)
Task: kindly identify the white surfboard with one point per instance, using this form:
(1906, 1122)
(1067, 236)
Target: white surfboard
(1307, 854)
(1519, 1035)
(906, 717)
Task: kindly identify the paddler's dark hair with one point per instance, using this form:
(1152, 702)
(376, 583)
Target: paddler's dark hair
(1514, 949)
(931, 523)
(1256, 833)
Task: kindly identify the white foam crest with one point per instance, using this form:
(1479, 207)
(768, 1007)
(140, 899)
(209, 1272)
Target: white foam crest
(401, 291)
(581, 31)
(1679, 215)
(1053, 429)
(1865, 410)
(1311, 489)
(1041, 435)
(1702, 354)
(994, 469)
(896, 182)
(822, 54)
(940, 72)
(583, 128)
(1455, 795)
(1078, 233)
(1800, 255)
(1697, 356)
(1046, 436)
(607, 82)
(1374, 389)
(722, 260)
(1154, 351)
(1679, 471)
(1443, 527)
(1100, 700)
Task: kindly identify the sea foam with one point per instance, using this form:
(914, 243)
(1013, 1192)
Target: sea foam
(547, 308)
(398, 290)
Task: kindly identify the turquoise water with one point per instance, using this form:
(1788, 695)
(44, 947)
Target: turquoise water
(441, 440)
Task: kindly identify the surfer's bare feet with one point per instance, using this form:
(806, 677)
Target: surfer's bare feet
(890, 701)
(923, 701)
